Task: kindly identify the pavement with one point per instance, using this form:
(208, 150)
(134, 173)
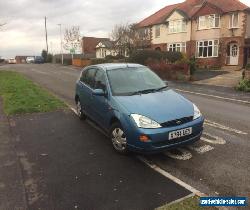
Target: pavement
(223, 78)
(12, 191)
(217, 165)
(67, 164)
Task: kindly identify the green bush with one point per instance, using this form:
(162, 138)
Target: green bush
(247, 66)
(49, 58)
(110, 57)
(99, 61)
(173, 57)
(244, 85)
(192, 65)
(142, 56)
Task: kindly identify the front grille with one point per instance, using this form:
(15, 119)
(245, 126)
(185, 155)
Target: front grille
(177, 122)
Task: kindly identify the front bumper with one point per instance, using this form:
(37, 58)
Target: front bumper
(159, 137)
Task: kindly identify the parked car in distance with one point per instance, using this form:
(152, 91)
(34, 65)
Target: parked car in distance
(30, 59)
(39, 59)
(136, 108)
(12, 61)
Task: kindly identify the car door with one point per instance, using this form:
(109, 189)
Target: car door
(100, 104)
(86, 86)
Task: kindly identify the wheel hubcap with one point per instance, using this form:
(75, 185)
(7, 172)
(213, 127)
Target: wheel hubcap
(119, 139)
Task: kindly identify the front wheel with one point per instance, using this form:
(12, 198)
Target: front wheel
(118, 138)
(79, 110)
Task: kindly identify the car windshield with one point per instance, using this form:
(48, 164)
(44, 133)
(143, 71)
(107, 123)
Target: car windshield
(131, 81)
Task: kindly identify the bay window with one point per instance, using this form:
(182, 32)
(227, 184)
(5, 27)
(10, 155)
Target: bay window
(177, 47)
(209, 21)
(207, 48)
(177, 26)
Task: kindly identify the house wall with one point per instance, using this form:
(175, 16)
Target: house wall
(204, 33)
(226, 32)
(166, 37)
(108, 52)
(248, 26)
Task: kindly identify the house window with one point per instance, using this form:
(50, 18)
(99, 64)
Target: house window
(177, 26)
(207, 48)
(209, 21)
(234, 20)
(157, 31)
(177, 47)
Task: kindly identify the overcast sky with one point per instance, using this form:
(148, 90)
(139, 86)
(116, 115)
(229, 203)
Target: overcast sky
(24, 33)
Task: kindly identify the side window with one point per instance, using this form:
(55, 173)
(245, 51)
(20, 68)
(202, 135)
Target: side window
(83, 76)
(88, 77)
(100, 80)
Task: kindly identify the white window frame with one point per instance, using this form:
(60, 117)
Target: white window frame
(208, 21)
(231, 20)
(210, 43)
(157, 31)
(177, 26)
(177, 47)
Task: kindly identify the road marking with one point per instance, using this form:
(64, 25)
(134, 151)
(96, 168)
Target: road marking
(213, 139)
(223, 127)
(165, 173)
(171, 177)
(201, 149)
(185, 154)
(213, 96)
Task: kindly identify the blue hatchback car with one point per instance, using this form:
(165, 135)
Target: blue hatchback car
(136, 108)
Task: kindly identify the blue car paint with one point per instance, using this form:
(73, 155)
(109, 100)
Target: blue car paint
(160, 106)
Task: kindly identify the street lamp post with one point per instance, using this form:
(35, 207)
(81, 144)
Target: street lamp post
(61, 41)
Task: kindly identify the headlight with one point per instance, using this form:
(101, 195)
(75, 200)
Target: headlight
(144, 122)
(197, 112)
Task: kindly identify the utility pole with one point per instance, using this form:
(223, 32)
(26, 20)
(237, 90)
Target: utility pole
(61, 41)
(46, 35)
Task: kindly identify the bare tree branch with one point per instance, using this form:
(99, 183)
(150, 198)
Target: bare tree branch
(72, 38)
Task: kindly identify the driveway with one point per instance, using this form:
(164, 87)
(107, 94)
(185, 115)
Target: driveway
(224, 78)
(218, 165)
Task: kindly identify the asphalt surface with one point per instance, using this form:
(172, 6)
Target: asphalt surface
(217, 165)
(67, 164)
(12, 193)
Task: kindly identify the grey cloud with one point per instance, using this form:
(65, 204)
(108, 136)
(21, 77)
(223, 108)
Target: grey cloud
(95, 17)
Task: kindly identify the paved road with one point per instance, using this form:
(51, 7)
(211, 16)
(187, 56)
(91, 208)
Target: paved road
(218, 165)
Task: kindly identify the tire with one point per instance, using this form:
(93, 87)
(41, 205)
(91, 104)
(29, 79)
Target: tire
(118, 138)
(79, 110)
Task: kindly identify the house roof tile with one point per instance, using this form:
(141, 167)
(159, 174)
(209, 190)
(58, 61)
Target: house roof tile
(191, 7)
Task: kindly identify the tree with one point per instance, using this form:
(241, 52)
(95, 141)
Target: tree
(72, 39)
(128, 38)
(44, 55)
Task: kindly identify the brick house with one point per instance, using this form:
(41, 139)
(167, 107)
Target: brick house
(216, 32)
(89, 46)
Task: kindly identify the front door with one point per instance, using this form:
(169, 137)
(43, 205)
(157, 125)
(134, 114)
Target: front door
(234, 54)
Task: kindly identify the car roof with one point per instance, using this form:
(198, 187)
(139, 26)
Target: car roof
(110, 66)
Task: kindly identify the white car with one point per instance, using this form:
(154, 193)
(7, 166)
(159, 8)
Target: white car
(30, 60)
(12, 61)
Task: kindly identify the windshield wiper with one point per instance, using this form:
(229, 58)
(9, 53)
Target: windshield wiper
(143, 91)
(162, 88)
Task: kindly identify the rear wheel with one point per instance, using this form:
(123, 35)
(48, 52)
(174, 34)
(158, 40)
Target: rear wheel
(118, 138)
(79, 110)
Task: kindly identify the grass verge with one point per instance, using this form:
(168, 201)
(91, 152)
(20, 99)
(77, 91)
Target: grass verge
(191, 203)
(21, 95)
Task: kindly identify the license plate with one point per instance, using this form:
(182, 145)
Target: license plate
(180, 133)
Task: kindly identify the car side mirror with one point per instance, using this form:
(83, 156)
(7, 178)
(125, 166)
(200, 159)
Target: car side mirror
(99, 92)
